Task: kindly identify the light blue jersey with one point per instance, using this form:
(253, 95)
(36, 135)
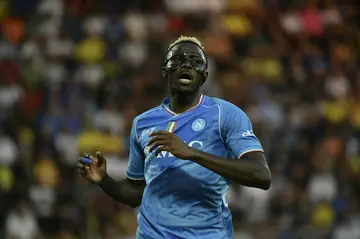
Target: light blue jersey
(183, 199)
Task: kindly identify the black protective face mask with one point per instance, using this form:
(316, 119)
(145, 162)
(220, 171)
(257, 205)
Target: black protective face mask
(198, 62)
(175, 61)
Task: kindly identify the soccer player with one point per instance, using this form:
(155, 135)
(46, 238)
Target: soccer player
(183, 155)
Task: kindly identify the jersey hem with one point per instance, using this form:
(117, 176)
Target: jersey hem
(251, 150)
(134, 177)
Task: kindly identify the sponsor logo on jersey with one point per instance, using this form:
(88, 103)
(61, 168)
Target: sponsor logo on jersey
(164, 154)
(248, 133)
(195, 143)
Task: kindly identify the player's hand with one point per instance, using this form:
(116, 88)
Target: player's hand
(92, 168)
(169, 142)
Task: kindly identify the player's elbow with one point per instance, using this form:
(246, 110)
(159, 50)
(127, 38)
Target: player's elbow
(134, 201)
(264, 178)
(134, 204)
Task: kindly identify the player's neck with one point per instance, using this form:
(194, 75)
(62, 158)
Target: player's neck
(180, 103)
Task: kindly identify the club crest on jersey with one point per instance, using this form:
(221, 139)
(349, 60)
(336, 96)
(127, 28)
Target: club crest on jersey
(198, 124)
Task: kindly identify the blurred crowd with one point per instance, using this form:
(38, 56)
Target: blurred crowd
(74, 73)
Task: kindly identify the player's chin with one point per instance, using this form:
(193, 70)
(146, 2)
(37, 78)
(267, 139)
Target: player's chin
(182, 88)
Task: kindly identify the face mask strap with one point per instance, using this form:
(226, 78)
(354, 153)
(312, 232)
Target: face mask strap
(205, 56)
(168, 70)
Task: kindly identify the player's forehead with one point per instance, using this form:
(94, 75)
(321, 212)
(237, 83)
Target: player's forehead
(185, 47)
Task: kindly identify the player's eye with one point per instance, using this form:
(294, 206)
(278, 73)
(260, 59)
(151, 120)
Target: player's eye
(175, 60)
(197, 60)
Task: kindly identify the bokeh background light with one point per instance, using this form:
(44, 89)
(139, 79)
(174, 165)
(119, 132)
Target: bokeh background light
(74, 74)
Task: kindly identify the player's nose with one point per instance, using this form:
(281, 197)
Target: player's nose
(186, 64)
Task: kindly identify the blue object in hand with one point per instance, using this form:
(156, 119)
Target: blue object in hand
(86, 160)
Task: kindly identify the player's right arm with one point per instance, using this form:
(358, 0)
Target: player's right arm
(128, 191)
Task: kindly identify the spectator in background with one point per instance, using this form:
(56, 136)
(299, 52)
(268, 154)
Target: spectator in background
(21, 223)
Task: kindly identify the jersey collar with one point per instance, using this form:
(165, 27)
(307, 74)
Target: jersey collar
(166, 104)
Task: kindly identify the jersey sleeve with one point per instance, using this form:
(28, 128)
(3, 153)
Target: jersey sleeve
(237, 132)
(135, 169)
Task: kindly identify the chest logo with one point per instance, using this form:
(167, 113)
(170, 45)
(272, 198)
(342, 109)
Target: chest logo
(198, 125)
(146, 132)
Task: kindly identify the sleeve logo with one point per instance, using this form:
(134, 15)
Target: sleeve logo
(248, 133)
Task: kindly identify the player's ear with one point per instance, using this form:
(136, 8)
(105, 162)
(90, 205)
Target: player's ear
(163, 71)
(205, 75)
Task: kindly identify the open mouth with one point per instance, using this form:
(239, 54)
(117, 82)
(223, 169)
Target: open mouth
(185, 78)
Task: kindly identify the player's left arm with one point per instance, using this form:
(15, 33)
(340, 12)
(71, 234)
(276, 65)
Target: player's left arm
(250, 167)
(250, 170)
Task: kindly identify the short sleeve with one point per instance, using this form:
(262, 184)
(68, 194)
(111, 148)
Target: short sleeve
(135, 169)
(237, 132)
